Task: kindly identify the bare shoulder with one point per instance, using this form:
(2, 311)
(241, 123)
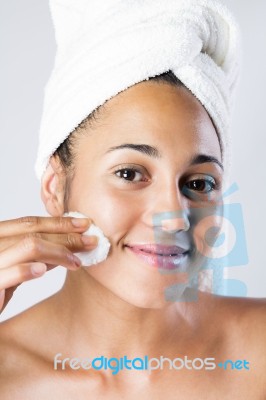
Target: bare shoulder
(27, 330)
(22, 349)
(15, 359)
(244, 320)
(245, 312)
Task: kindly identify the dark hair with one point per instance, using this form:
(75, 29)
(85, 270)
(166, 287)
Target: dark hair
(66, 151)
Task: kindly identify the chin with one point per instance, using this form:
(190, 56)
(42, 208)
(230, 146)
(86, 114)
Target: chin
(144, 300)
(155, 291)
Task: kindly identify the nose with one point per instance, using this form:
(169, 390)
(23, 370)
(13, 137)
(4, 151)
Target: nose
(175, 221)
(169, 210)
(171, 221)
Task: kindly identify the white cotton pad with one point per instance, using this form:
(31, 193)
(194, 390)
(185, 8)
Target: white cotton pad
(98, 254)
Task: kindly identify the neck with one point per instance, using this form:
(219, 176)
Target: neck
(94, 320)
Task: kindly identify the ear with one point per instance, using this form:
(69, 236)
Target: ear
(53, 187)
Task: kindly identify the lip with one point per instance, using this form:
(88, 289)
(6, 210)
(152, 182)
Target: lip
(160, 256)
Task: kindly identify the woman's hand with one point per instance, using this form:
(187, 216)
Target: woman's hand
(30, 246)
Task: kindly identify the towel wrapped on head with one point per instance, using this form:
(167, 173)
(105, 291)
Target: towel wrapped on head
(104, 47)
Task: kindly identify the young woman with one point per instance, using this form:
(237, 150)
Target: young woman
(151, 150)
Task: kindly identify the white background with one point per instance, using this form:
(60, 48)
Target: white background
(27, 51)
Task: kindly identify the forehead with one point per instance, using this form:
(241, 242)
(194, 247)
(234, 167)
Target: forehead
(156, 113)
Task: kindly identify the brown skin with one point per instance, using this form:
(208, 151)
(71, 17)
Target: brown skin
(118, 307)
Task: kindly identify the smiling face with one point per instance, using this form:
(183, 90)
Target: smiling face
(146, 175)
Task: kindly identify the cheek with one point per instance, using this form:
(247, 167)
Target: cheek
(109, 208)
(205, 234)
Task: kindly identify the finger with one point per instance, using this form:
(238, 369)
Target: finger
(75, 242)
(17, 274)
(23, 225)
(2, 298)
(32, 249)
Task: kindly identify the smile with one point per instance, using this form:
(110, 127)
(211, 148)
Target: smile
(160, 256)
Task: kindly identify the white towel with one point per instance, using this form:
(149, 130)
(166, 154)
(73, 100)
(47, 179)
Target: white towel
(106, 46)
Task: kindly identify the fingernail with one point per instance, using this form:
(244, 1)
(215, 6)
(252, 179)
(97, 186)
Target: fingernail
(77, 260)
(38, 269)
(89, 240)
(80, 222)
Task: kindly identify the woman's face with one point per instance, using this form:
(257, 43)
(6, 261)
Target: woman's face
(148, 175)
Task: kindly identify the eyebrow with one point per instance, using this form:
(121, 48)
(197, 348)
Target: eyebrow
(204, 158)
(142, 148)
(154, 152)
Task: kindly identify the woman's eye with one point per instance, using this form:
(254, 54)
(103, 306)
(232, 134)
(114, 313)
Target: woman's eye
(201, 185)
(129, 174)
